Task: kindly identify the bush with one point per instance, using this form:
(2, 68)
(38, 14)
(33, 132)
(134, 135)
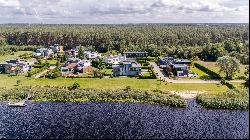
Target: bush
(74, 86)
(231, 99)
(212, 74)
(52, 74)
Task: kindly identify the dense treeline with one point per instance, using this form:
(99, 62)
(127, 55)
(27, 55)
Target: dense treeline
(208, 42)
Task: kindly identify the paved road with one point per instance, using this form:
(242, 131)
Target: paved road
(162, 75)
(43, 72)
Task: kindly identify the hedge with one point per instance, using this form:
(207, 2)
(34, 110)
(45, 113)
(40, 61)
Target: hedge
(211, 73)
(32, 72)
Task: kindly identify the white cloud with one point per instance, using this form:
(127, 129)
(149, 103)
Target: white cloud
(123, 11)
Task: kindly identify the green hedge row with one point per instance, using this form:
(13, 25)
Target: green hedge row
(211, 73)
(32, 72)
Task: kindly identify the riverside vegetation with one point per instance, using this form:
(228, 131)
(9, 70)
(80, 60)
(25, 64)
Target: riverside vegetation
(230, 99)
(74, 94)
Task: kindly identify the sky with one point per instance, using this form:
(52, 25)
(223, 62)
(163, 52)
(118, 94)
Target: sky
(123, 11)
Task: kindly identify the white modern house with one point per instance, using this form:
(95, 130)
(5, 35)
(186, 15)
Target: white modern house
(44, 52)
(127, 68)
(91, 55)
(114, 59)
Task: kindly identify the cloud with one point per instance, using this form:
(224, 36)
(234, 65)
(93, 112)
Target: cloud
(123, 11)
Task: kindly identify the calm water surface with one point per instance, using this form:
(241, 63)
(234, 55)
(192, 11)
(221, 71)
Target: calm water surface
(119, 120)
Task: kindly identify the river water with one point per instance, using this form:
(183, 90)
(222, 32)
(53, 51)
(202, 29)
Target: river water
(119, 120)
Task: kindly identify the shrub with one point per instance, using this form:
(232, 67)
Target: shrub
(231, 99)
(52, 74)
(74, 86)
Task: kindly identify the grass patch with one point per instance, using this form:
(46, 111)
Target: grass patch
(51, 62)
(49, 93)
(231, 99)
(212, 66)
(110, 83)
(15, 55)
(199, 72)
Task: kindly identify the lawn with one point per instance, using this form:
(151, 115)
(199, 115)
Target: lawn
(110, 83)
(15, 55)
(195, 70)
(212, 66)
(52, 62)
(198, 71)
(107, 71)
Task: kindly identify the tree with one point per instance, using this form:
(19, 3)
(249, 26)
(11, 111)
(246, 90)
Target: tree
(80, 53)
(18, 82)
(229, 65)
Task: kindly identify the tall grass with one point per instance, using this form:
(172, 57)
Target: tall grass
(231, 99)
(54, 93)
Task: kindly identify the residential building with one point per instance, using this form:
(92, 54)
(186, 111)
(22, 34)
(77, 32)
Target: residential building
(56, 48)
(14, 66)
(72, 53)
(91, 55)
(75, 65)
(127, 68)
(135, 54)
(44, 52)
(179, 67)
(113, 59)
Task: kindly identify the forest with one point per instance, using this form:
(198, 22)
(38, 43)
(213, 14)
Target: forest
(205, 41)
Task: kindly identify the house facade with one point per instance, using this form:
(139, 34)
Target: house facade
(91, 55)
(135, 54)
(127, 68)
(75, 65)
(114, 59)
(179, 67)
(14, 66)
(44, 52)
(72, 53)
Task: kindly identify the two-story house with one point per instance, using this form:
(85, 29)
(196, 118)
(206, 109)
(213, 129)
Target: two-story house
(14, 66)
(127, 68)
(113, 59)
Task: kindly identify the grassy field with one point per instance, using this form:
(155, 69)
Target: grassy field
(109, 83)
(212, 66)
(15, 55)
(52, 62)
(198, 71)
(107, 71)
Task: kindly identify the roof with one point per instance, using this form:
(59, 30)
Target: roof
(136, 65)
(114, 56)
(179, 65)
(182, 60)
(136, 52)
(71, 65)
